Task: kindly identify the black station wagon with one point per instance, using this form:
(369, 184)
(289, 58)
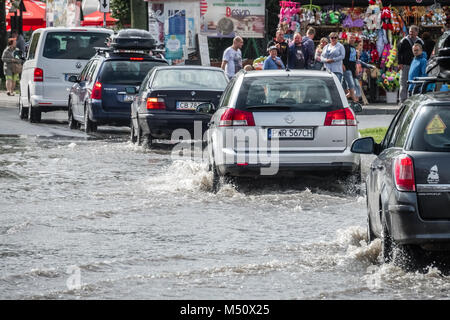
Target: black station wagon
(408, 185)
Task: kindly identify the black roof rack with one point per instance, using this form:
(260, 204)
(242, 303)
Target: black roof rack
(425, 81)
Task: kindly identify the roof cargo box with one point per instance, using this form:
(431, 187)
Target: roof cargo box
(133, 39)
(439, 64)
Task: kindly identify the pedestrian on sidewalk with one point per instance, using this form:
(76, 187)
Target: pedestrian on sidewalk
(405, 57)
(273, 61)
(349, 67)
(308, 44)
(297, 53)
(418, 67)
(11, 66)
(281, 44)
(332, 56)
(319, 65)
(20, 41)
(232, 58)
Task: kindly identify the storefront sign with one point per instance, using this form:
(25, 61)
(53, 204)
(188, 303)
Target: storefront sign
(226, 18)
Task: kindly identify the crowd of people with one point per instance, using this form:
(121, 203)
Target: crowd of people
(341, 59)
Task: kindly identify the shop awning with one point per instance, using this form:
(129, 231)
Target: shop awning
(32, 18)
(365, 3)
(96, 19)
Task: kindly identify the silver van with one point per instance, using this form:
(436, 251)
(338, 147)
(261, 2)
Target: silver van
(53, 56)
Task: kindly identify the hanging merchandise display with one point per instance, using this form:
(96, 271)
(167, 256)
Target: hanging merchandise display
(378, 25)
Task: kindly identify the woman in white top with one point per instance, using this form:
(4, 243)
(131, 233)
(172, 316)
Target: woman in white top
(332, 56)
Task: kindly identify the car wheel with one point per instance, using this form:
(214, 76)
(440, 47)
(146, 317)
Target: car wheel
(387, 243)
(147, 140)
(34, 115)
(370, 234)
(73, 124)
(216, 178)
(89, 125)
(23, 112)
(133, 136)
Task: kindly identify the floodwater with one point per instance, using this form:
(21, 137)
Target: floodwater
(105, 219)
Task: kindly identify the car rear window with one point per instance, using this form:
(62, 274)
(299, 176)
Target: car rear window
(190, 79)
(294, 92)
(126, 71)
(431, 130)
(73, 45)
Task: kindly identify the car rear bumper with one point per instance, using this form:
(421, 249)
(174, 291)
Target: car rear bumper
(287, 162)
(46, 105)
(407, 227)
(285, 169)
(102, 116)
(164, 125)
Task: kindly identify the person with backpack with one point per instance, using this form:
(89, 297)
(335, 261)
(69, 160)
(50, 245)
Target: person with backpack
(405, 57)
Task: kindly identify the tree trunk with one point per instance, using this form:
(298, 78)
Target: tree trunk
(139, 16)
(3, 34)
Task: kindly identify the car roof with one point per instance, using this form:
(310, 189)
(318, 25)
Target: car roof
(283, 73)
(438, 97)
(75, 29)
(188, 67)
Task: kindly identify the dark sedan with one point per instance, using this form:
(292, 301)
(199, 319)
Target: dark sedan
(408, 185)
(168, 98)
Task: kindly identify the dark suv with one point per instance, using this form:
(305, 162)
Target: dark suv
(105, 89)
(408, 185)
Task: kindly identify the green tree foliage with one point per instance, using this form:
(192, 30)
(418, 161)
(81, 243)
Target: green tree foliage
(120, 9)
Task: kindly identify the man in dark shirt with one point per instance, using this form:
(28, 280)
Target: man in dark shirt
(308, 44)
(405, 57)
(281, 44)
(297, 53)
(349, 66)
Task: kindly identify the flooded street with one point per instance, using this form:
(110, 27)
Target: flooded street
(104, 219)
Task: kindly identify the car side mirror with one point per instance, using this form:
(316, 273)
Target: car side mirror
(364, 145)
(73, 78)
(131, 90)
(206, 108)
(356, 107)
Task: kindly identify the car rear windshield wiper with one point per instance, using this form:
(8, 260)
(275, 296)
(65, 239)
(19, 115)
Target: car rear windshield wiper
(275, 107)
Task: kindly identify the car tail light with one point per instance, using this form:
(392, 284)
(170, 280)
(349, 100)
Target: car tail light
(341, 117)
(404, 173)
(96, 91)
(156, 103)
(38, 75)
(234, 117)
(136, 59)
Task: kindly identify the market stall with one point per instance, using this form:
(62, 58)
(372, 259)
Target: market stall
(379, 25)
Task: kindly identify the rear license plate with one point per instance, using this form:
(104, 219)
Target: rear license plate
(128, 98)
(291, 133)
(67, 75)
(187, 105)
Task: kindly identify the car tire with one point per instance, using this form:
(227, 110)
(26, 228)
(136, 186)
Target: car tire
(387, 244)
(73, 124)
(215, 178)
(34, 115)
(147, 141)
(133, 135)
(370, 234)
(23, 112)
(89, 125)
